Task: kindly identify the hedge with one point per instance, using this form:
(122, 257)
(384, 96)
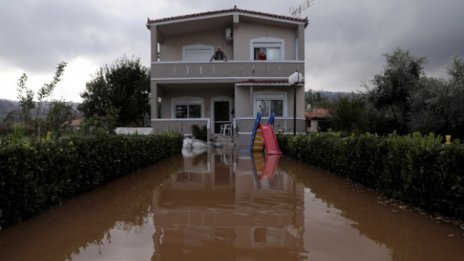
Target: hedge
(36, 176)
(418, 170)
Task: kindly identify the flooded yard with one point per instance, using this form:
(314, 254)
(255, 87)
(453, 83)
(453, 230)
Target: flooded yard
(222, 205)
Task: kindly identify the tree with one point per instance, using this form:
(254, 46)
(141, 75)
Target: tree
(26, 100)
(349, 114)
(101, 124)
(437, 106)
(315, 99)
(11, 118)
(429, 112)
(392, 89)
(59, 116)
(456, 70)
(26, 97)
(46, 90)
(123, 87)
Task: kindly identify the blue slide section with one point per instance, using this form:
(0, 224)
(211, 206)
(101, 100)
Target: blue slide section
(271, 119)
(253, 132)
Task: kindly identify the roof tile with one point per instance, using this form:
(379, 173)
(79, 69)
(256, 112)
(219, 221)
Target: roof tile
(180, 17)
(317, 113)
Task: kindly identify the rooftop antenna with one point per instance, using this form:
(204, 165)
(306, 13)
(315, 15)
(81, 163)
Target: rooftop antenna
(296, 11)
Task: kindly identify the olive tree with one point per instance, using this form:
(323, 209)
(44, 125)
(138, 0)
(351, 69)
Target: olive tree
(392, 88)
(26, 98)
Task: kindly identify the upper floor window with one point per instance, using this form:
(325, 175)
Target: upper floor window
(267, 48)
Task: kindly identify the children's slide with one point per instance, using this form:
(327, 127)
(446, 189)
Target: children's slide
(268, 135)
(270, 140)
(258, 144)
(253, 132)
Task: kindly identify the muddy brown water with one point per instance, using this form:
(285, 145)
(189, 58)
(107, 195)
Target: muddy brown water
(225, 206)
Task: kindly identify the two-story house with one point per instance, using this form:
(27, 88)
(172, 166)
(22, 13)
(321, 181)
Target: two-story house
(262, 50)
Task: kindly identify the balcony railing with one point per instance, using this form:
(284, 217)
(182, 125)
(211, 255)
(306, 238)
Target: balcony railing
(283, 125)
(172, 71)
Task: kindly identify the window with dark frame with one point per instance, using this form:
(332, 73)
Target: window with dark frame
(267, 106)
(187, 111)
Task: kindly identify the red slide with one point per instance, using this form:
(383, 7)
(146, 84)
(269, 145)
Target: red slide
(270, 140)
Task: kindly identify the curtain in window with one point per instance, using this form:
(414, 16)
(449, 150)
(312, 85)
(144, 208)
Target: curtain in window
(266, 107)
(273, 53)
(188, 111)
(277, 106)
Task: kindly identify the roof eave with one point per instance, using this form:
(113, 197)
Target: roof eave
(205, 15)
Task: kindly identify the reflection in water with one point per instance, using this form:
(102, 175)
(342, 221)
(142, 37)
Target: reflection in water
(97, 224)
(343, 222)
(224, 206)
(264, 170)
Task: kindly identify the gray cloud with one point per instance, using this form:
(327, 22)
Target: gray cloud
(345, 39)
(353, 35)
(37, 35)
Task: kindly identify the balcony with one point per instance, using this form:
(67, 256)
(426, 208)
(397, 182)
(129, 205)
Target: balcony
(230, 71)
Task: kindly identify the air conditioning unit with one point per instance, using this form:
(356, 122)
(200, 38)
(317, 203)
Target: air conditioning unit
(229, 35)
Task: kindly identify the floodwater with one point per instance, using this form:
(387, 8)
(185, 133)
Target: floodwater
(225, 206)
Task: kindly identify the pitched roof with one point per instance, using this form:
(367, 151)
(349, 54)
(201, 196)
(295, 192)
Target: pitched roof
(225, 11)
(75, 122)
(317, 113)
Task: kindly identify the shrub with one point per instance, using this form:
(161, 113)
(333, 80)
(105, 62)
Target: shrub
(419, 170)
(35, 176)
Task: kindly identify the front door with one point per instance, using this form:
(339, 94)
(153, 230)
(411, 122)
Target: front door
(222, 114)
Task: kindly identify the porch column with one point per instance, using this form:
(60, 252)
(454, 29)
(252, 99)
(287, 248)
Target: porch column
(301, 41)
(251, 101)
(154, 43)
(154, 99)
(300, 93)
(154, 58)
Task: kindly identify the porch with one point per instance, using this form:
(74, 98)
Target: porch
(241, 127)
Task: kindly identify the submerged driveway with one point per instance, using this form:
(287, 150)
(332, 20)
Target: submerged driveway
(221, 205)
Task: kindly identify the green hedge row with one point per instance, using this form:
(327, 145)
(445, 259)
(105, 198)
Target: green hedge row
(419, 170)
(35, 176)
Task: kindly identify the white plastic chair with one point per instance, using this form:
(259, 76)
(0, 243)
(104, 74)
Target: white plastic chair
(226, 129)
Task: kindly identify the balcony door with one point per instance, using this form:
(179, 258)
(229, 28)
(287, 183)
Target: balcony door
(222, 113)
(197, 53)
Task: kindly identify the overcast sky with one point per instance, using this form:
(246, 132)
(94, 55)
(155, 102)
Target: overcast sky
(345, 40)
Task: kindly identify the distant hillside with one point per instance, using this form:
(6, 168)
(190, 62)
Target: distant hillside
(333, 96)
(7, 106)
(314, 99)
